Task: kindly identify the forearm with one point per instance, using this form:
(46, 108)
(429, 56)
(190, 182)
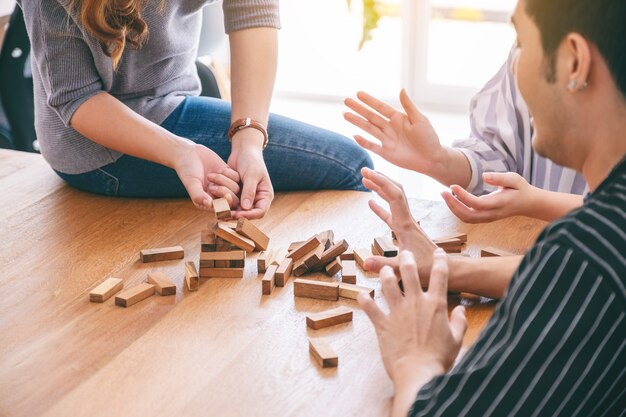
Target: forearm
(488, 277)
(451, 168)
(254, 56)
(409, 383)
(550, 205)
(108, 122)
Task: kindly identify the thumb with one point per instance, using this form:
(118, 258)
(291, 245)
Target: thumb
(248, 193)
(503, 179)
(197, 194)
(458, 323)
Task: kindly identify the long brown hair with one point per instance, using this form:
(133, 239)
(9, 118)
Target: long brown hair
(114, 23)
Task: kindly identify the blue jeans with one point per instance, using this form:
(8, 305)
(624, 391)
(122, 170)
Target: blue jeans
(299, 156)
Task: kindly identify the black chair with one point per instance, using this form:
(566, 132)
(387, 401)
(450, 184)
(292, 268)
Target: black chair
(16, 88)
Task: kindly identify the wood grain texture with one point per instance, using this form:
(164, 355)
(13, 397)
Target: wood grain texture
(191, 276)
(232, 237)
(348, 272)
(133, 295)
(221, 208)
(305, 248)
(162, 254)
(207, 341)
(385, 247)
(334, 267)
(248, 229)
(268, 283)
(105, 290)
(352, 291)
(489, 251)
(323, 353)
(163, 285)
(329, 318)
(283, 272)
(360, 255)
(221, 272)
(316, 289)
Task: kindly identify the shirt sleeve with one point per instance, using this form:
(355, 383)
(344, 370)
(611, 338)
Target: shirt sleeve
(555, 346)
(244, 14)
(499, 121)
(61, 57)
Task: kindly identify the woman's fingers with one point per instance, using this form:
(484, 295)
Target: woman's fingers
(376, 263)
(368, 144)
(366, 113)
(381, 107)
(438, 284)
(365, 125)
(382, 213)
(225, 181)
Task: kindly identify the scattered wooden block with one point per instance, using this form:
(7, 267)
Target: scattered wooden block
(269, 280)
(333, 267)
(375, 251)
(191, 276)
(263, 260)
(221, 272)
(234, 238)
(360, 255)
(327, 237)
(332, 253)
(305, 248)
(352, 291)
(348, 255)
(329, 318)
(246, 228)
(230, 224)
(134, 295)
(221, 208)
(294, 245)
(348, 272)
(316, 289)
(283, 272)
(162, 283)
(323, 353)
(105, 290)
(385, 246)
(309, 260)
(444, 243)
(162, 254)
(489, 252)
(460, 236)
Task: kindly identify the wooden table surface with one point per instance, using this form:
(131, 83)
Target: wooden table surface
(224, 350)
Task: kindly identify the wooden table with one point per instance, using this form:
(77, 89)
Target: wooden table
(224, 350)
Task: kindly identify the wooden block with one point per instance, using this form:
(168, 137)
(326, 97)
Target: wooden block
(316, 289)
(294, 245)
(309, 260)
(269, 280)
(333, 267)
(360, 255)
(329, 318)
(305, 248)
(327, 237)
(283, 272)
(208, 241)
(221, 272)
(348, 272)
(332, 253)
(162, 283)
(191, 276)
(246, 228)
(221, 208)
(444, 243)
(207, 258)
(323, 353)
(134, 294)
(489, 252)
(162, 254)
(105, 290)
(348, 255)
(385, 246)
(263, 260)
(352, 291)
(460, 236)
(234, 238)
(375, 251)
(230, 224)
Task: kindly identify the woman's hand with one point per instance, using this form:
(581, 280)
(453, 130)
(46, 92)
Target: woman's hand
(193, 163)
(407, 139)
(257, 191)
(409, 234)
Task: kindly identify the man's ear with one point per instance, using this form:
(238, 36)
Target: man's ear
(576, 52)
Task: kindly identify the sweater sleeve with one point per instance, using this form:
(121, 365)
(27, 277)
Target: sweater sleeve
(244, 14)
(61, 56)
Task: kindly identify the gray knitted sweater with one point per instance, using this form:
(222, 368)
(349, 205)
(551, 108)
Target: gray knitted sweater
(69, 67)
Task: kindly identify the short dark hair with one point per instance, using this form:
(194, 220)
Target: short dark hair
(601, 22)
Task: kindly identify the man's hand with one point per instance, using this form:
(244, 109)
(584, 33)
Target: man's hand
(416, 339)
(407, 139)
(409, 234)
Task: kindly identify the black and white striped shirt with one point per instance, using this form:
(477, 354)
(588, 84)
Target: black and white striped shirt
(555, 345)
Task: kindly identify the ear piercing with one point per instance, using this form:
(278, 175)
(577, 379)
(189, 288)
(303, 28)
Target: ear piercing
(573, 85)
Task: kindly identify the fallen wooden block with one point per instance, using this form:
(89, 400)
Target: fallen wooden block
(327, 237)
(334, 267)
(329, 318)
(232, 224)
(232, 259)
(352, 291)
(221, 208)
(348, 255)
(263, 260)
(305, 248)
(234, 238)
(360, 255)
(323, 353)
(105, 290)
(283, 272)
(294, 245)
(460, 236)
(309, 260)
(162, 283)
(191, 276)
(221, 272)
(385, 246)
(488, 252)
(348, 272)
(134, 295)
(162, 254)
(316, 289)
(375, 251)
(269, 280)
(246, 228)
(331, 254)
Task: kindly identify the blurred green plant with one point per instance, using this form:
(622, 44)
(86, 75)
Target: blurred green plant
(373, 11)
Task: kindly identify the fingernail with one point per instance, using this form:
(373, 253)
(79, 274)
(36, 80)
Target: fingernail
(247, 204)
(487, 177)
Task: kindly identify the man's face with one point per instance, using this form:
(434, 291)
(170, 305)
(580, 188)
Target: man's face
(544, 98)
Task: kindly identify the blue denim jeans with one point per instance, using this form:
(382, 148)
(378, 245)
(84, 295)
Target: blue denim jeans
(299, 156)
